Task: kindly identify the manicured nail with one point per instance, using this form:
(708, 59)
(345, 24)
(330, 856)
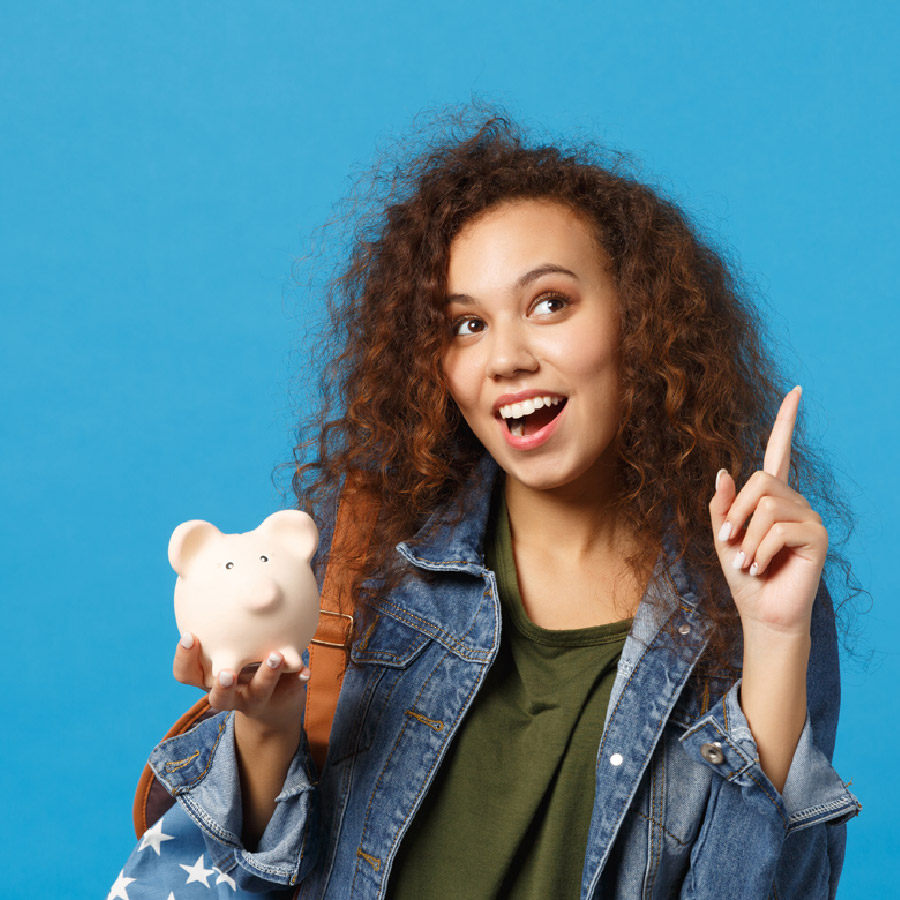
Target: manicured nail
(304, 676)
(719, 475)
(754, 570)
(226, 678)
(273, 660)
(738, 560)
(725, 531)
(187, 640)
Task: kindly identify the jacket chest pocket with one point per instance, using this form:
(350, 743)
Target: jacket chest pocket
(381, 670)
(388, 642)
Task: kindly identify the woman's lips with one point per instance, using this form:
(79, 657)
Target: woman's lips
(533, 439)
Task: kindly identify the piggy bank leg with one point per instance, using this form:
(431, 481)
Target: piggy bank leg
(223, 661)
(292, 659)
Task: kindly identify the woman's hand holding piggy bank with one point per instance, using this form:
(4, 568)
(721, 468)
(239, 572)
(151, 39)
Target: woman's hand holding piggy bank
(245, 599)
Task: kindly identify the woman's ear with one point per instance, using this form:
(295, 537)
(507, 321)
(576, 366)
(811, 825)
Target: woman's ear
(186, 541)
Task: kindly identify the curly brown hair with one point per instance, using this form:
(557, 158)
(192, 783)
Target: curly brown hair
(700, 388)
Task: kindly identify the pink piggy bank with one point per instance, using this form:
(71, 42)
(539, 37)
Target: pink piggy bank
(245, 595)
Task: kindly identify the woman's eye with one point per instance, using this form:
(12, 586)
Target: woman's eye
(549, 303)
(468, 325)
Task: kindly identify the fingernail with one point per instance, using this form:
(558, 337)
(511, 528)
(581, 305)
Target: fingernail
(226, 679)
(273, 660)
(738, 560)
(187, 640)
(725, 530)
(304, 676)
(754, 570)
(719, 475)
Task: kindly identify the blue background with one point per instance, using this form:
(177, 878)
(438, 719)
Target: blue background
(161, 166)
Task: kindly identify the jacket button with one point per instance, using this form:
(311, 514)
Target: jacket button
(684, 629)
(712, 753)
(616, 759)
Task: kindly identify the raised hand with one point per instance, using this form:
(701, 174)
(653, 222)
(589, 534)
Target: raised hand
(771, 544)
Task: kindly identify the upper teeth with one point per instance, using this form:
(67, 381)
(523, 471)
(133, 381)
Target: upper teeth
(527, 407)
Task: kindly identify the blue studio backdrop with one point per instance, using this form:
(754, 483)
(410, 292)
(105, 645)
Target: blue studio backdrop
(163, 164)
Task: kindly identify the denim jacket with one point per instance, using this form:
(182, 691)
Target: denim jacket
(681, 805)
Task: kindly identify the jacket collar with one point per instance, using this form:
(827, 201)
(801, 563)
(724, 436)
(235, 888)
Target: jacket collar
(453, 537)
(452, 540)
(448, 543)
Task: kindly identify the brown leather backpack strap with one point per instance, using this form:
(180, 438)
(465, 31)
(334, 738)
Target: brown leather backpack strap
(151, 799)
(353, 529)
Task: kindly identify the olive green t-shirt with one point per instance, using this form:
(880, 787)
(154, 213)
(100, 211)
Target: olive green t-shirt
(508, 813)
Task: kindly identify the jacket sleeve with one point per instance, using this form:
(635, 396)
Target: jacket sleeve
(801, 831)
(199, 768)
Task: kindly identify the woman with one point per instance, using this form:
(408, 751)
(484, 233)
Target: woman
(574, 673)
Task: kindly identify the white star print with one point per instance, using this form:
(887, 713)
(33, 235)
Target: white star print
(153, 837)
(118, 890)
(226, 878)
(197, 872)
(171, 896)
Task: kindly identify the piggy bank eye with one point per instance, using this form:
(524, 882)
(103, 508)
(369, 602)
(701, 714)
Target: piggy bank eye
(229, 565)
(264, 559)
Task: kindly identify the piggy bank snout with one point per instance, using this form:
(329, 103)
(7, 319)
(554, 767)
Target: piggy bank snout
(264, 596)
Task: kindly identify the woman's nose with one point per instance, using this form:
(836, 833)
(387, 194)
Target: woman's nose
(510, 353)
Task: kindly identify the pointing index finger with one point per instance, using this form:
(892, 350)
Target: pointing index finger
(778, 450)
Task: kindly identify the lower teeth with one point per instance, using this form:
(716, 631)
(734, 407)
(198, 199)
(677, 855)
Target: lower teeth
(517, 429)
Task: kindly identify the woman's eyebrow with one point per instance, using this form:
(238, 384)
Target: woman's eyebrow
(523, 281)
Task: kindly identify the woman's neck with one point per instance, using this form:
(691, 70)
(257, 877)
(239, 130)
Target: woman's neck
(571, 553)
(575, 520)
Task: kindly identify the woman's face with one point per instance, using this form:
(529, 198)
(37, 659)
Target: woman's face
(532, 362)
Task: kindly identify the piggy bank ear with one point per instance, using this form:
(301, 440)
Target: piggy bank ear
(295, 528)
(186, 541)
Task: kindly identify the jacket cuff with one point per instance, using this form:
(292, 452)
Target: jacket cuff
(199, 768)
(813, 791)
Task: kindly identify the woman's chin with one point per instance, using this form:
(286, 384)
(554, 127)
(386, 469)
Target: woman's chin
(564, 477)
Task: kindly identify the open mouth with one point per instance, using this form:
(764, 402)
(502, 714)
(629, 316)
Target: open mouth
(529, 416)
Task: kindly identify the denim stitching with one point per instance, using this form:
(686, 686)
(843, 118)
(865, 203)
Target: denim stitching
(177, 764)
(812, 812)
(660, 806)
(434, 724)
(445, 564)
(774, 802)
(740, 753)
(200, 816)
(355, 736)
(373, 861)
(435, 763)
(368, 633)
(212, 753)
(438, 634)
(637, 666)
(663, 828)
(387, 763)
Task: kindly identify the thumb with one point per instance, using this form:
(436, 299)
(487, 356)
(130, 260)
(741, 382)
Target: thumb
(723, 498)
